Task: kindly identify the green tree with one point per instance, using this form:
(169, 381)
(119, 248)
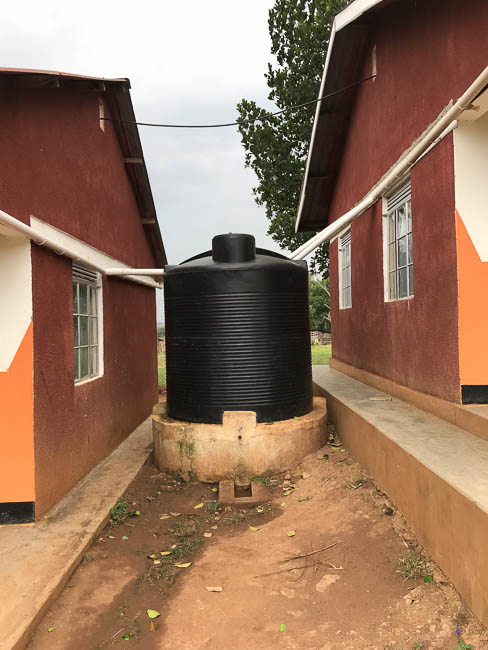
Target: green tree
(276, 148)
(319, 298)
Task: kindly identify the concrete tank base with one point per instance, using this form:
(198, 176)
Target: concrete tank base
(237, 449)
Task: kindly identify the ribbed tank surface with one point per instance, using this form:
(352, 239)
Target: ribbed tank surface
(237, 334)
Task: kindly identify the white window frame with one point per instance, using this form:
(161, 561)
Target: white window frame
(83, 276)
(344, 263)
(398, 201)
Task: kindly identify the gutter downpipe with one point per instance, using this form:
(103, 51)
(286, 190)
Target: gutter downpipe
(439, 130)
(41, 240)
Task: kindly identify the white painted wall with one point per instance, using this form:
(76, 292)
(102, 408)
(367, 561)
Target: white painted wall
(15, 296)
(471, 180)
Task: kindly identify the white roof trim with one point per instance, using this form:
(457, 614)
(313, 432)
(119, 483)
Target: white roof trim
(344, 18)
(353, 11)
(315, 123)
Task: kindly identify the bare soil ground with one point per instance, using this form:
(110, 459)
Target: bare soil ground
(349, 596)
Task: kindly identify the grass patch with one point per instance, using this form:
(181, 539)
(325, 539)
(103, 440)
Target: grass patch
(184, 528)
(321, 354)
(161, 370)
(118, 513)
(264, 479)
(213, 507)
(234, 518)
(410, 566)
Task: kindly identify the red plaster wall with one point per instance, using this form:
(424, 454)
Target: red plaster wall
(427, 54)
(58, 165)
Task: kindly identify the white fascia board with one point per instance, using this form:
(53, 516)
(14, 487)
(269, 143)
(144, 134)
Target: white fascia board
(344, 18)
(315, 124)
(85, 251)
(353, 11)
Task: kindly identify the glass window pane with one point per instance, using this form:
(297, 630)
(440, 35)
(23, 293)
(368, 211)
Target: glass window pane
(83, 362)
(83, 330)
(401, 222)
(410, 280)
(392, 285)
(83, 293)
(93, 301)
(391, 257)
(402, 252)
(391, 227)
(402, 283)
(75, 330)
(93, 331)
(410, 249)
(408, 207)
(75, 298)
(93, 361)
(347, 254)
(349, 303)
(77, 367)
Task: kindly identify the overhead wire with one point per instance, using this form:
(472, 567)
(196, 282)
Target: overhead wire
(260, 118)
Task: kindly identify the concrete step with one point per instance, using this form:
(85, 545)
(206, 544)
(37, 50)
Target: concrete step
(435, 472)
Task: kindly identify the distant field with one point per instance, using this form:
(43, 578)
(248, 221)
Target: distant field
(161, 370)
(320, 356)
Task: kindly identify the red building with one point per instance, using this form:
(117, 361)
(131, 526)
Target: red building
(409, 276)
(78, 369)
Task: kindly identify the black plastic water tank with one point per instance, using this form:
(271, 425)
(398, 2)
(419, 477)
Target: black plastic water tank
(237, 334)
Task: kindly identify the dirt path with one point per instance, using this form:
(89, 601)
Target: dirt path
(349, 596)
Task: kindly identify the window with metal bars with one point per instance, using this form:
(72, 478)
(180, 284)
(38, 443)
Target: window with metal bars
(86, 321)
(399, 244)
(345, 297)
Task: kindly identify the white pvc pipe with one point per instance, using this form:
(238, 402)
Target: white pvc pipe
(123, 271)
(440, 128)
(40, 239)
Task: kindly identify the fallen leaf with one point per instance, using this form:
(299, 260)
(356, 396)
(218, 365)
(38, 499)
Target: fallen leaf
(306, 475)
(153, 613)
(214, 489)
(291, 533)
(51, 629)
(175, 514)
(152, 627)
(283, 504)
(165, 517)
(213, 588)
(429, 579)
(304, 499)
(111, 537)
(153, 556)
(282, 627)
(184, 565)
(214, 527)
(207, 534)
(137, 513)
(126, 637)
(287, 494)
(254, 528)
(125, 538)
(323, 457)
(157, 561)
(165, 553)
(199, 505)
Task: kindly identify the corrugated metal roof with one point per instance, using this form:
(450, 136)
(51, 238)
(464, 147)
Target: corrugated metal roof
(119, 101)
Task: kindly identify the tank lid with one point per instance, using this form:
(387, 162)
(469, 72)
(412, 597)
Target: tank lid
(233, 248)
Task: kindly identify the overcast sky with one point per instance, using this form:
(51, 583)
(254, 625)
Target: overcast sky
(188, 62)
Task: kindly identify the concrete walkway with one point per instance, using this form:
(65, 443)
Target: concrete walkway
(435, 472)
(38, 559)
